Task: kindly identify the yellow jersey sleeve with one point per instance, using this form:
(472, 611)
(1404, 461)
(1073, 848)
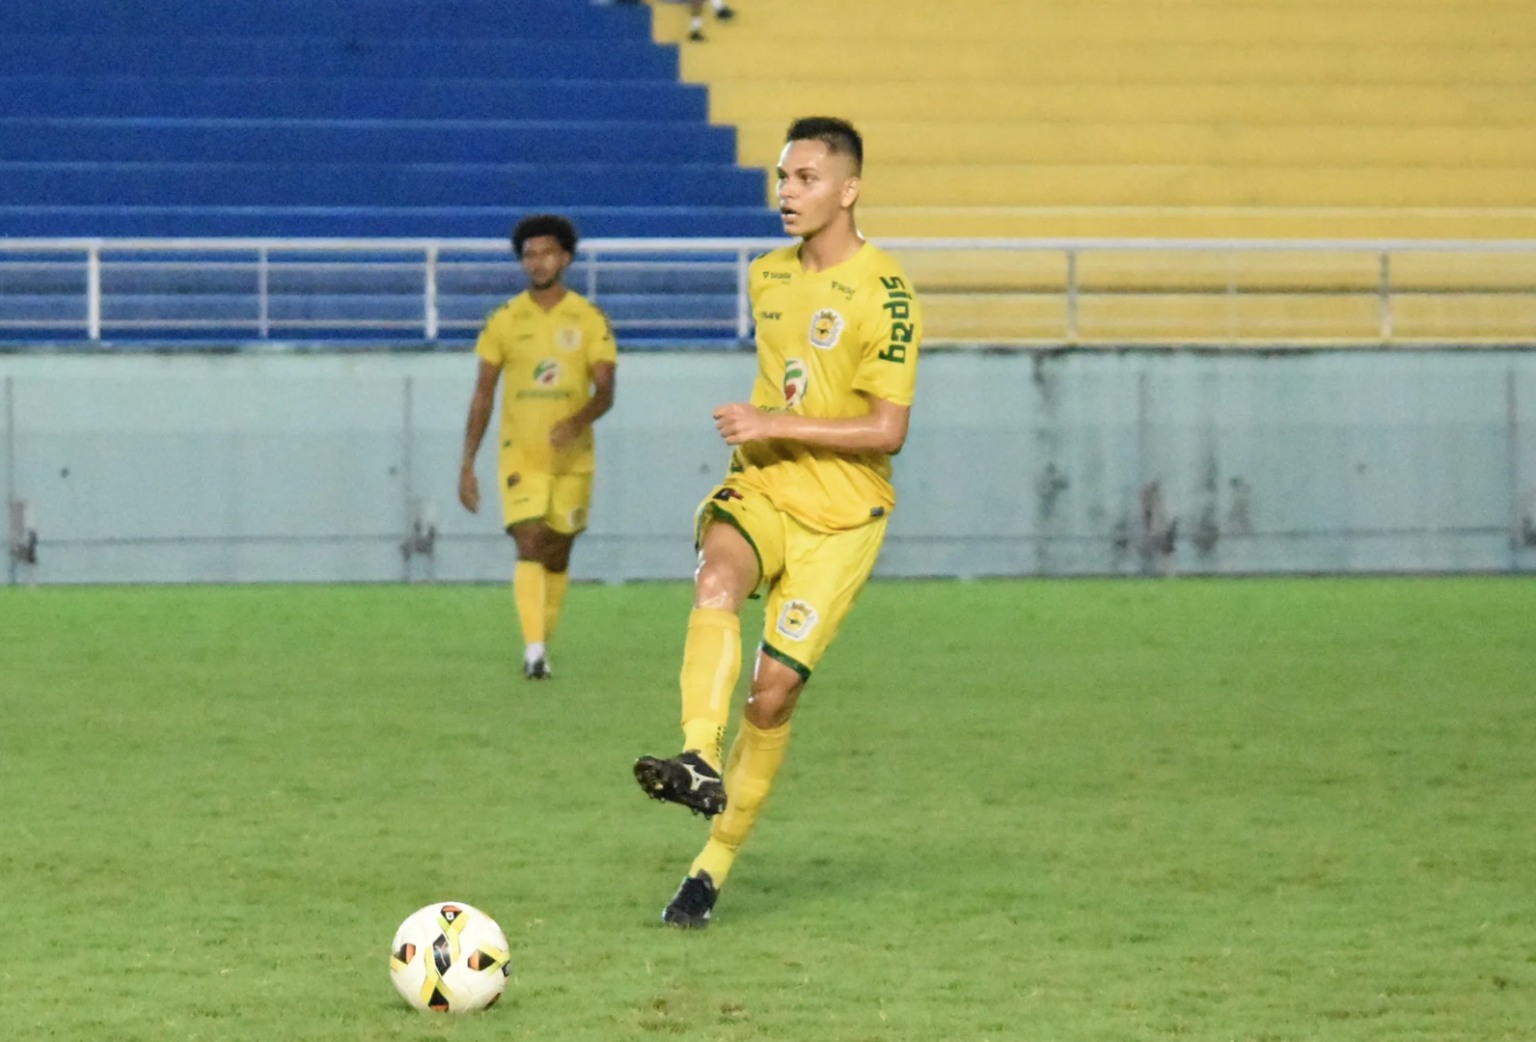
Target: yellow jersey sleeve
(891, 333)
(599, 336)
(492, 343)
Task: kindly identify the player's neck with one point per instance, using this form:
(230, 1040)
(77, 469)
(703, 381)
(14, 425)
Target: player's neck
(546, 299)
(831, 246)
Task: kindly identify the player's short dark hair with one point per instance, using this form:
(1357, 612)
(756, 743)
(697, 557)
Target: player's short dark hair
(537, 224)
(837, 134)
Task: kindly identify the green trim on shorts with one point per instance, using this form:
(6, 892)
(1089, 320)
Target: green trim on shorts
(779, 656)
(728, 518)
(523, 521)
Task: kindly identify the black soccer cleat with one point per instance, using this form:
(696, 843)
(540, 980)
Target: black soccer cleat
(725, 14)
(538, 669)
(690, 907)
(684, 779)
(696, 35)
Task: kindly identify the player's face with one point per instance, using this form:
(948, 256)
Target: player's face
(815, 186)
(544, 261)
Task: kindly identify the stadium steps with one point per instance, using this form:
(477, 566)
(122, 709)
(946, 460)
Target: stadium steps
(1163, 118)
(356, 118)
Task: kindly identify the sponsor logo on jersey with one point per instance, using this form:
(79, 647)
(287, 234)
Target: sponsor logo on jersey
(777, 275)
(547, 373)
(826, 329)
(769, 316)
(797, 380)
(797, 620)
(569, 338)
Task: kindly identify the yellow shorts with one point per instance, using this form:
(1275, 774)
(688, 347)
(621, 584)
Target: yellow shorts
(813, 577)
(561, 501)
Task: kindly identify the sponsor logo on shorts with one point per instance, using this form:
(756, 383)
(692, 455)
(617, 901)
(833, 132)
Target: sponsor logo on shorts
(547, 373)
(797, 380)
(797, 620)
(569, 338)
(826, 329)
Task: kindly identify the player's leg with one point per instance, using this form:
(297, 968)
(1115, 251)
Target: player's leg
(557, 578)
(528, 590)
(727, 575)
(569, 503)
(823, 577)
(756, 756)
(740, 539)
(525, 497)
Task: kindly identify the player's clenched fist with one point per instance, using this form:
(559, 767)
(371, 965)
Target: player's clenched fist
(742, 422)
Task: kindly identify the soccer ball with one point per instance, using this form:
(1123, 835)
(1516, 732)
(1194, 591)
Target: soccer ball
(449, 957)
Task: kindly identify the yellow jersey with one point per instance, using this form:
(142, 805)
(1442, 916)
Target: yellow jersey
(546, 360)
(825, 340)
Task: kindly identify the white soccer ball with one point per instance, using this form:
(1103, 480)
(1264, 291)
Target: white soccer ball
(450, 957)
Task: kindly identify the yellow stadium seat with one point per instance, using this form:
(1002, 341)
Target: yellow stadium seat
(1165, 119)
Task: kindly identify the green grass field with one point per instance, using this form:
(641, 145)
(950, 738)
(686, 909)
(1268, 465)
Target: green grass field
(1268, 809)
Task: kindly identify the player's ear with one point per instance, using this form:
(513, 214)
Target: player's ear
(851, 192)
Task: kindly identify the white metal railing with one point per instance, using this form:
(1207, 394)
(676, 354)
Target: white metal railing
(1089, 292)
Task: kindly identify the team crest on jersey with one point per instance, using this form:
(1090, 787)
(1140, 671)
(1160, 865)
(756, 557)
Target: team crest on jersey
(547, 373)
(826, 329)
(797, 620)
(569, 338)
(797, 380)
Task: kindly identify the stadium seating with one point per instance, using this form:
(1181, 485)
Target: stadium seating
(1159, 118)
(1170, 119)
(355, 118)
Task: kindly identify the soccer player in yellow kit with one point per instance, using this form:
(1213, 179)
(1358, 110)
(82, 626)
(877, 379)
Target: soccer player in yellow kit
(804, 507)
(557, 353)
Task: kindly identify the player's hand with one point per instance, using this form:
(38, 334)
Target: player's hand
(742, 422)
(469, 490)
(564, 434)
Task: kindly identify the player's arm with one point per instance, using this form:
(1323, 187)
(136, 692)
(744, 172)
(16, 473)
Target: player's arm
(882, 429)
(568, 430)
(481, 405)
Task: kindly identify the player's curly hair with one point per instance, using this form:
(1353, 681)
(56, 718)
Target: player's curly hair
(537, 224)
(837, 134)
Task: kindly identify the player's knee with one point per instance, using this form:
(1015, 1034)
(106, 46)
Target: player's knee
(530, 541)
(769, 708)
(717, 586)
(557, 553)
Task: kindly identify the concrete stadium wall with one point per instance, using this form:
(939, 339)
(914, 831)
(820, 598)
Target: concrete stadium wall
(261, 467)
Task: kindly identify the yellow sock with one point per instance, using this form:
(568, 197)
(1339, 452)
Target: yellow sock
(755, 759)
(528, 590)
(555, 585)
(711, 664)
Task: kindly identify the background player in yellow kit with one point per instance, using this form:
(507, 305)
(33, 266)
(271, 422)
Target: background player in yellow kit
(804, 508)
(557, 353)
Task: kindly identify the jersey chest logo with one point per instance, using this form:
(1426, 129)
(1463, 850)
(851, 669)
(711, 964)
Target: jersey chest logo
(569, 338)
(797, 380)
(826, 329)
(547, 373)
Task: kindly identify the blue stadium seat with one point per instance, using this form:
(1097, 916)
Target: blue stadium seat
(356, 118)
(131, 140)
